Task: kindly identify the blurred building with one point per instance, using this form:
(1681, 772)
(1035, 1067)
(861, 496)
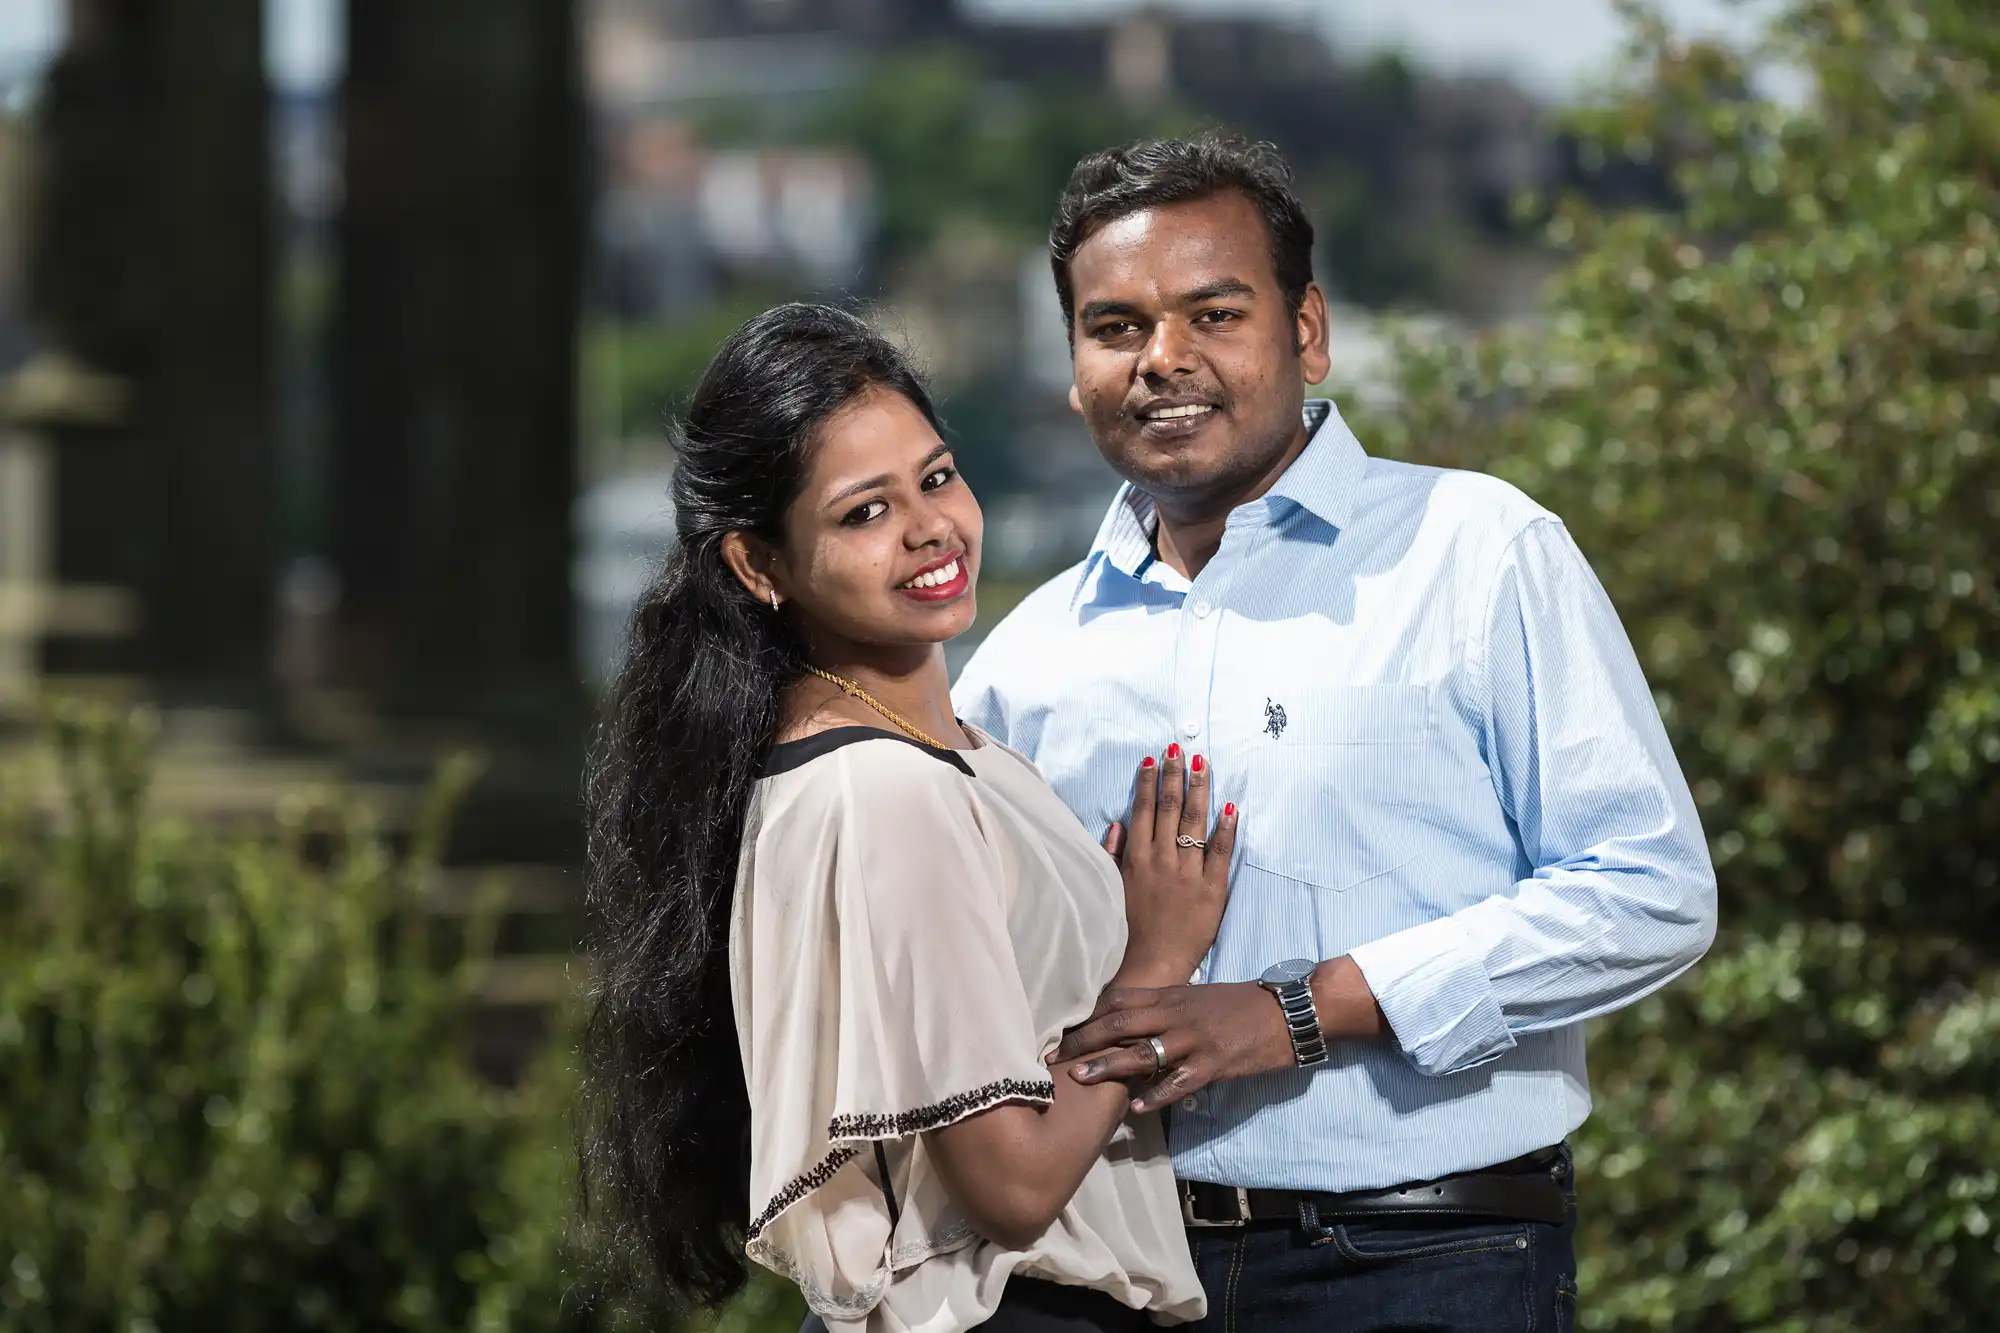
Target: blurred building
(719, 188)
(650, 257)
(676, 221)
(1382, 151)
(866, 20)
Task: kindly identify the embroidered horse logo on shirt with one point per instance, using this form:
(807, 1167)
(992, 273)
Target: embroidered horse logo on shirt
(1274, 719)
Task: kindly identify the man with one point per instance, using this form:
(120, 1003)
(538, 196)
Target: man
(1462, 832)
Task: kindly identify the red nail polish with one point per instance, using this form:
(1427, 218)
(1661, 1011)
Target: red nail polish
(1147, 762)
(1197, 763)
(1228, 809)
(1174, 751)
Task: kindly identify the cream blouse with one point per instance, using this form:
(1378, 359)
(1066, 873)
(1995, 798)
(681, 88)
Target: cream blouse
(913, 930)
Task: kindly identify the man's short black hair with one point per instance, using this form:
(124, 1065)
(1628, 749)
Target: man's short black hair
(1117, 182)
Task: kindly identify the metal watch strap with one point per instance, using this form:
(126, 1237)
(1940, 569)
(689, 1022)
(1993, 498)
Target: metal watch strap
(1302, 1022)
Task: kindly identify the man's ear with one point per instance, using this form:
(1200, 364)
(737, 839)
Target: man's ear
(1313, 327)
(753, 562)
(1075, 401)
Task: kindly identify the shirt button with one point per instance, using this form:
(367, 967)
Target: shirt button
(1191, 729)
(1202, 608)
(1190, 1103)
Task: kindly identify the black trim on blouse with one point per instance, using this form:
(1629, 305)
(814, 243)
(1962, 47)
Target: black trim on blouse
(888, 1191)
(788, 755)
(937, 1115)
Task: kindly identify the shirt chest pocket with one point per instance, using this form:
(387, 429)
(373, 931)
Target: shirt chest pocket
(1339, 783)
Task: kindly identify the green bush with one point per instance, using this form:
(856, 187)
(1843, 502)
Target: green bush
(235, 1087)
(1769, 417)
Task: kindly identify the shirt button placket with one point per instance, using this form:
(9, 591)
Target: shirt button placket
(1197, 659)
(1199, 627)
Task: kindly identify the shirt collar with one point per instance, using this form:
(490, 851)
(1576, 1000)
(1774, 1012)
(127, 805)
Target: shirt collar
(1324, 478)
(1322, 481)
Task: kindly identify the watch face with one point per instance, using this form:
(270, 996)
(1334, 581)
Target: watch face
(1292, 969)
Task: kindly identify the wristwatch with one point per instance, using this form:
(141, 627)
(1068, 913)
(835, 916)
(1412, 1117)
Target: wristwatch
(1291, 982)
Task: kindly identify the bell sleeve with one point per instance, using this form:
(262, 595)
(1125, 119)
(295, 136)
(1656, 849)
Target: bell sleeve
(885, 1000)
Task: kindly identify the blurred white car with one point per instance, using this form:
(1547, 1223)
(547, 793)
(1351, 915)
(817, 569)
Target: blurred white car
(623, 529)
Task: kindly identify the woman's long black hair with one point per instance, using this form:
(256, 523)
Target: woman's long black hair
(692, 712)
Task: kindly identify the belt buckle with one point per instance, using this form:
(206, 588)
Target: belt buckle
(1188, 1219)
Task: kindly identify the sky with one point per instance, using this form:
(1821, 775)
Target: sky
(1552, 47)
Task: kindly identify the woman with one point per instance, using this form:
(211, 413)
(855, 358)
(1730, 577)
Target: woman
(838, 933)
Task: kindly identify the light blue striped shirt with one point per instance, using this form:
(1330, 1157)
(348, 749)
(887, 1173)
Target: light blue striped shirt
(1448, 766)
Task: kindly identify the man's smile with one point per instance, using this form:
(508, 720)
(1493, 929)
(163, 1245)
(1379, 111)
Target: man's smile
(1170, 420)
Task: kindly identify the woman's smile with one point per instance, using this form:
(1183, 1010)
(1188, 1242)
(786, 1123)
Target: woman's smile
(942, 580)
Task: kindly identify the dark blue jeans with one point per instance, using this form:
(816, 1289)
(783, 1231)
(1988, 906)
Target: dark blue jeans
(1429, 1275)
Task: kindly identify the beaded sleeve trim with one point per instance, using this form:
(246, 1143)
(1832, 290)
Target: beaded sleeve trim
(956, 1107)
(847, 1130)
(800, 1186)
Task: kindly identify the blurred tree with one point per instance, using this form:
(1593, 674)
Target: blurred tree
(949, 143)
(237, 1088)
(1364, 255)
(642, 373)
(1770, 417)
(1354, 191)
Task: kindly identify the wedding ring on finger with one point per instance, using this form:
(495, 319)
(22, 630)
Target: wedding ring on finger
(1159, 1049)
(1183, 840)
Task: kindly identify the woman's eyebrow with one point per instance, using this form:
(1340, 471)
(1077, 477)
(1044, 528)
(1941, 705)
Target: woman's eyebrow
(883, 479)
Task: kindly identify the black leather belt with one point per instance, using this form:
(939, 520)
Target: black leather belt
(1527, 1189)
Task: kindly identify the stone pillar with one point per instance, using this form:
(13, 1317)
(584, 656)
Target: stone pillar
(148, 262)
(68, 561)
(212, 577)
(455, 457)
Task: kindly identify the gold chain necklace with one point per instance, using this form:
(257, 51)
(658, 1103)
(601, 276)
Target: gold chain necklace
(880, 707)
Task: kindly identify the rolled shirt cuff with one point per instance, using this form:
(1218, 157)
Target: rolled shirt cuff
(1434, 991)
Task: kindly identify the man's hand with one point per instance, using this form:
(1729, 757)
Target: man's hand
(1210, 1032)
